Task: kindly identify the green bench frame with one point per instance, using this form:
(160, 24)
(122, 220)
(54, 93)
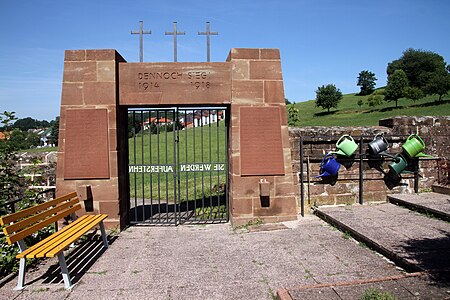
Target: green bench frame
(23, 223)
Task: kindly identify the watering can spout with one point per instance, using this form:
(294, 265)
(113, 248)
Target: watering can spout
(325, 173)
(339, 152)
(421, 154)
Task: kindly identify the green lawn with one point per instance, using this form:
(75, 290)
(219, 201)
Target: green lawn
(349, 113)
(198, 148)
(38, 150)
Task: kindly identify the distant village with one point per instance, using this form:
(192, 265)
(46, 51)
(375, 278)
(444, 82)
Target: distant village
(190, 119)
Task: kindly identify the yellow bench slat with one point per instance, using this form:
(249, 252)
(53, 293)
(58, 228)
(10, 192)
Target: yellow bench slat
(36, 218)
(26, 232)
(72, 228)
(88, 226)
(31, 210)
(44, 241)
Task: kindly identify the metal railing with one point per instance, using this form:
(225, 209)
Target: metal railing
(360, 157)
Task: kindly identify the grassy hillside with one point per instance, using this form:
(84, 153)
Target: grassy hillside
(349, 113)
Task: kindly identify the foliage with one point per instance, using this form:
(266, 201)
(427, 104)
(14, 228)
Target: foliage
(29, 123)
(350, 114)
(23, 140)
(374, 100)
(54, 136)
(376, 294)
(366, 80)
(360, 102)
(293, 115)
(439, 84)
(328, 96)
(396, 84)
(286, 101)
(419, 66)
(12, 187)
(413, 93)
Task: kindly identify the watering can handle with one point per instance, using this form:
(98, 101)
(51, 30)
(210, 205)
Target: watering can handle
(418, 137)
(325, 157)
(342, 137)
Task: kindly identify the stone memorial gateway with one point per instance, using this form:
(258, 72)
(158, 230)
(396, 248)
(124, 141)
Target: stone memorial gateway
(102, 95)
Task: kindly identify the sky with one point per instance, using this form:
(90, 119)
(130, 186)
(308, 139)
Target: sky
(320, 41)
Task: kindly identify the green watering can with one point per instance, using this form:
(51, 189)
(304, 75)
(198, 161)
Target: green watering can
(346, 146)
(399, 164)
(414, 146)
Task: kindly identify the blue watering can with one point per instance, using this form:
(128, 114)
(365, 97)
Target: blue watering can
(329, 166)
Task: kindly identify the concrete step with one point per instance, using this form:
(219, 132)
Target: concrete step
(435, 204)
(413, 241)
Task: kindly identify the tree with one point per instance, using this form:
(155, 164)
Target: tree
(413, 93)
(54, 135)
(374, 100)
(396, 84)
(293, 115)
(25, 124)
(366, 80)
(419, 66)
(438, 84)
(286, 101)
(328, 96)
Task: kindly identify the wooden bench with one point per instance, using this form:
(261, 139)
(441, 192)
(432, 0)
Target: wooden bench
(23, 223)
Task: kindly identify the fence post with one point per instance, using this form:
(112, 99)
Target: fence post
(302, 204)
(361, 175)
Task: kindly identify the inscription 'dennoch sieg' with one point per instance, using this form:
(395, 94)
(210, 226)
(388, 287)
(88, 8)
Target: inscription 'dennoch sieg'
(148, 81)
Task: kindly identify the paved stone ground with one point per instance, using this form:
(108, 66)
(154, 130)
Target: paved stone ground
(406, 287)
(412, 240)
(208, 262)
(437, 204)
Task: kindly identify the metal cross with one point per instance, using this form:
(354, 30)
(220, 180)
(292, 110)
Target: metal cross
(208, 33)
(141, 32)
(175, 33)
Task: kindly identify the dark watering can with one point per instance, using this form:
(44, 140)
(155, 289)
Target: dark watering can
(346, 145)
(399, 164)
(414, 146)
(329, 166)
(379, 145)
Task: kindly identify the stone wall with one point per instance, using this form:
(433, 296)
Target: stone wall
(317, 141)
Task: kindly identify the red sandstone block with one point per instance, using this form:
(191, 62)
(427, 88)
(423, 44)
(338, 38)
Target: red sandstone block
(74, 55)
(108, 54)
(270, 53)
(112, 139)
(285, 188)
(235, 140)
(97, 93)
(242, 206)
(246, 89)
(72, 93)
(244, 53)
(240, 70)
(279, 206)
(80, 71)
(245, 187)
(269, 70)
(111, 208)
(273, 92)
(113, 163)
(106, 71)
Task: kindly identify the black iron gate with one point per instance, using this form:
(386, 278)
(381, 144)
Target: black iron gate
(178, 165)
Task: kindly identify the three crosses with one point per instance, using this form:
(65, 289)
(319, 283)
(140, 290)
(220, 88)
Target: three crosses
(175, 33)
